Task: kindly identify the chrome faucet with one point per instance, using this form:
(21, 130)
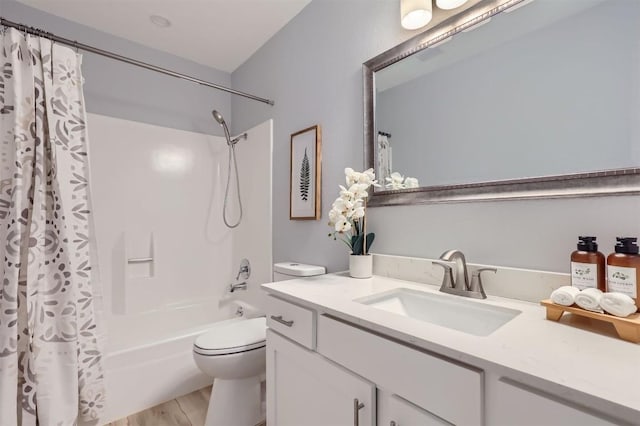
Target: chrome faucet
(458, 283)
(239, 286)
(461, 280)
(245, 270)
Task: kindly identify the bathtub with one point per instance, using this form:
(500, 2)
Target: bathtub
(152, 362)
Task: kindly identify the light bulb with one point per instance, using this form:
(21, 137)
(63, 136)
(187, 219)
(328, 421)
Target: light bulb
(449, 4)
(415, 14)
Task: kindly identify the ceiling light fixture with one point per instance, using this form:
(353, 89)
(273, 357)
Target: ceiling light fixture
(160, 21)
(415, 14)
(449, 4)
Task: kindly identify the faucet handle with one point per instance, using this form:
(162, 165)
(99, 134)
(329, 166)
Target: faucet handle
(476, 280)
(447, 280)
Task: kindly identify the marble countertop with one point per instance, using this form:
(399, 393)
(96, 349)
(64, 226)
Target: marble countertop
(565, 356)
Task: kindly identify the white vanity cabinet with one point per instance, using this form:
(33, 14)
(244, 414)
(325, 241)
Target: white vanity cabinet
(434, 384)
(518, 404)
(326, 386)
(305, 389)
(326, 371)
(394, 410)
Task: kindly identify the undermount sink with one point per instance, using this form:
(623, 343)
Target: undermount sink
(448, 311)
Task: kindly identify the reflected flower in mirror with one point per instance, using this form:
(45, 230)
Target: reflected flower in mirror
(397, 181)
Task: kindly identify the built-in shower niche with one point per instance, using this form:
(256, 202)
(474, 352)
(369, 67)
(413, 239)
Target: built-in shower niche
(133, 267)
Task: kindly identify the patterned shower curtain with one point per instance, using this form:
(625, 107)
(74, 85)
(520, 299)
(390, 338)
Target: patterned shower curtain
(50, 346)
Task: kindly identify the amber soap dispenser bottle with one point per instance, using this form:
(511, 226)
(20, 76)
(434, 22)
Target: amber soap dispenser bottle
(587, 265)
(623, 268)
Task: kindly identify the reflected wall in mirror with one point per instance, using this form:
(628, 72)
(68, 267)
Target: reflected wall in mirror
(542, 101)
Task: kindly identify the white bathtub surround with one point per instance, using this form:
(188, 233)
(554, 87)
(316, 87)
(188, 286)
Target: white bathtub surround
(528, 359)
(51, 356)
(163, 205)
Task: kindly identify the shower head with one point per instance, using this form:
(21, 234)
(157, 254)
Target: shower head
(220, 119)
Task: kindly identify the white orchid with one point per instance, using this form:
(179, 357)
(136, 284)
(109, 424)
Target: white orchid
(347, 214)
(367, 177)
(343, 226)
(410, 182)
(359, 190)
(335, 216)
(397, 181)
(358, 212)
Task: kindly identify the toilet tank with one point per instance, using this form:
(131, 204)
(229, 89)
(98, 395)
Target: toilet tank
(290, 270)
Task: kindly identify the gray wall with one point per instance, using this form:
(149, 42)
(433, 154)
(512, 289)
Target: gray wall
(121, 90)
(312, 69)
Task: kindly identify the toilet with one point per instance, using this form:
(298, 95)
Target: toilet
(233, 352)
(291, 270)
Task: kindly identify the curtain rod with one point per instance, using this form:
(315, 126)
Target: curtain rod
(111, 55)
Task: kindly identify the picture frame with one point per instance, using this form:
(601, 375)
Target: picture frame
(305, 174)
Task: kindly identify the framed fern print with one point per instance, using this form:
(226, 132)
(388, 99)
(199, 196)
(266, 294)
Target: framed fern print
(305, 174)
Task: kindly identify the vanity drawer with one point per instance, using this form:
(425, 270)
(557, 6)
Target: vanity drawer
(291, 321)
(433, 383)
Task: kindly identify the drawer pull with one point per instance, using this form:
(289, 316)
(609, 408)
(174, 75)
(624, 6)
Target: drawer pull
(282, 321)
(393, 423)
(357, 406)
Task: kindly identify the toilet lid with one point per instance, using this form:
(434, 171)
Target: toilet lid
(232, 337)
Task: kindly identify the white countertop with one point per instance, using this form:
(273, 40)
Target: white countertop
(559, 353)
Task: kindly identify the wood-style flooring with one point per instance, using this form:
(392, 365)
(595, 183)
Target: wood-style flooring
(187, 410)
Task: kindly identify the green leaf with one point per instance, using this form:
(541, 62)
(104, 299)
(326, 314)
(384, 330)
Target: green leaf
(304, 177)
(370, 237)
(357, 243)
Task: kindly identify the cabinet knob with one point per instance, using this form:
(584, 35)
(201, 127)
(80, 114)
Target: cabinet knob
(393, 423)
(357, 406)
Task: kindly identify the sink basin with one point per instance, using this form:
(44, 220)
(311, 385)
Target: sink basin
(454, 312)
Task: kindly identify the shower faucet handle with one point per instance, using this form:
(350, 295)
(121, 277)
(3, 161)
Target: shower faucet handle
(245, 270)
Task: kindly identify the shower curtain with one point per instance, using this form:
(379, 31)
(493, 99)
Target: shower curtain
(50, 343)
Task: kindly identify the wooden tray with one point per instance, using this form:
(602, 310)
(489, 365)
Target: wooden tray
(627, 328)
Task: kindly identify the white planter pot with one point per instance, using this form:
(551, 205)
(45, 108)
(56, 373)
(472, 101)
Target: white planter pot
(361, 266)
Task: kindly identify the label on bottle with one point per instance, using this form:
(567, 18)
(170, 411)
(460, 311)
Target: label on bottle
(622, 280)
(584, 275)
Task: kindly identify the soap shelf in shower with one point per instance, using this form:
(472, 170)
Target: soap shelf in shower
(627, 328)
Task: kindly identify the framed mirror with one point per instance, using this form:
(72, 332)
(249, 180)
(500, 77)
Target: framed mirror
(509, 100)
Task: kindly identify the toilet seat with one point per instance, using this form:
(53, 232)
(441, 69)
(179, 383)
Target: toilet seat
(232, 337)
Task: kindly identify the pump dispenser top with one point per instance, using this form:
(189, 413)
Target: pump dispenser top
(587, 244)
(627, 245)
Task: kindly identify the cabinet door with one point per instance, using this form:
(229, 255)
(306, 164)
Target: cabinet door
(396, 411)
(520, 405)
(306, 389)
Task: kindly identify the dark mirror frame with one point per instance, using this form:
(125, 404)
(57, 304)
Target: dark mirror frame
(598, 183)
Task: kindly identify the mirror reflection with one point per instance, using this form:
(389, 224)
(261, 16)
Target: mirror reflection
(551, 88)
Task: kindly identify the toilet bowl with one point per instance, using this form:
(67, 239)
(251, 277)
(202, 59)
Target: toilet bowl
(233, 353)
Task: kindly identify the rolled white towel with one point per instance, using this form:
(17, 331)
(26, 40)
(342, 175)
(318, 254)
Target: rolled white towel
(618, 304)
(589, 299)
(565, 295)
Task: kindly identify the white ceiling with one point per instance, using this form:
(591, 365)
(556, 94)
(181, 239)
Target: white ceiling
(218, 33)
